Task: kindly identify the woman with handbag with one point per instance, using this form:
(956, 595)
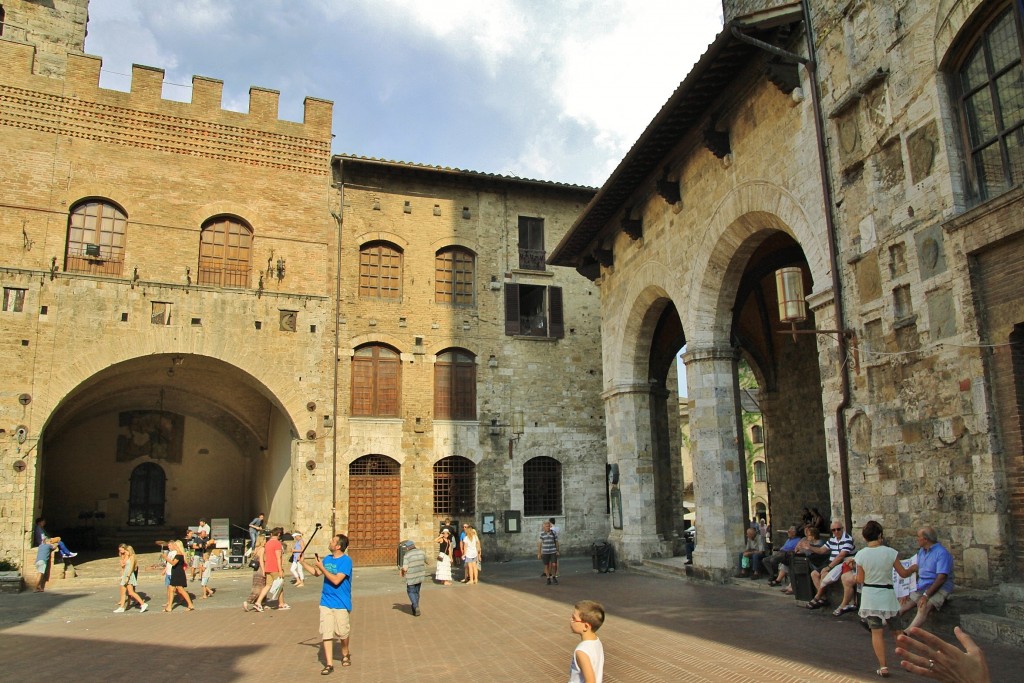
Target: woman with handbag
(259, 575)
(444, 558)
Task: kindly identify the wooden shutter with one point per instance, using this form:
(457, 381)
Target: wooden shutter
(362, 386)
(464, 394)
(387, 387)
(443, 389)
(556, 326)
(512, 325)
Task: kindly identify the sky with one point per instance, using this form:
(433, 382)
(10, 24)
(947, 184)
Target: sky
(546, 89)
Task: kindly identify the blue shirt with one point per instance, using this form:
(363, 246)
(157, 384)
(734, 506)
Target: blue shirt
(43, 554)
(930, 563)
(340, 596)
(790, 544)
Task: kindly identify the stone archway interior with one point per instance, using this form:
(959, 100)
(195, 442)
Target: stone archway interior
(220, 440)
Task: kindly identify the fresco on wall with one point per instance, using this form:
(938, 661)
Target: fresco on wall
(150, 433)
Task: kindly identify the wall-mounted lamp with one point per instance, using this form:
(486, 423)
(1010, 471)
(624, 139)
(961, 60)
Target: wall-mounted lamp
(492, 362)
(789, 287)
(280, 269)
(516, 426)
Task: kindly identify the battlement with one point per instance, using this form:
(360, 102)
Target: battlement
(77, 105)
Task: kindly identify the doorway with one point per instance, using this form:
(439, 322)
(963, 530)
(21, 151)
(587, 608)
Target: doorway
(374, 504)
(146, 496)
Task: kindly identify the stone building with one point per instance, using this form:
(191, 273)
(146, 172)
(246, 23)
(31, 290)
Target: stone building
(861, 164)
(204, 314)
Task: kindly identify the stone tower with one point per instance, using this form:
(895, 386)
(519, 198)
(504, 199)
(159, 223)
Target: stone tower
(54, 27)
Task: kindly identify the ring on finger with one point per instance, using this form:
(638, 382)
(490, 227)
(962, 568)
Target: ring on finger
(931, 664)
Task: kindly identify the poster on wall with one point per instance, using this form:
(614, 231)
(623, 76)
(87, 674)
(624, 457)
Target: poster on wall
(150, 434)
(616, 508)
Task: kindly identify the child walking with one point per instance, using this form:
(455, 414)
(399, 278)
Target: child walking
(587, 665)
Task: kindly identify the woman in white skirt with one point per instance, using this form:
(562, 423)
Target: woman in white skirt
(875, 565)
(444, 557)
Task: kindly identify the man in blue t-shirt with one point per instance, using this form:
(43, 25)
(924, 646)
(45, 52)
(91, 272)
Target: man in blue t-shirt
(335, 601)
(934, 576)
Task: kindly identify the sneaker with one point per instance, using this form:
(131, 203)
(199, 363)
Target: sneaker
(145, 606)
(246, 606)
(119, 610)
(549, 580)
(416, 612)
(555, 580)
(69, 555)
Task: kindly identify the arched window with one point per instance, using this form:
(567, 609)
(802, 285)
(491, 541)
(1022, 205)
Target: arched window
(756, 434)
(225, 252)
(453, 276)
(380, 271)
(376, 371)
(991, 102)
(455, 385)
(542, 487)
(95, 244)
(454, 487)
(760, 471)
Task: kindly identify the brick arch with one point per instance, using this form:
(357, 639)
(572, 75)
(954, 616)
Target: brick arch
(84, 366)
(739, 224)
(651, 288)
(204, 212)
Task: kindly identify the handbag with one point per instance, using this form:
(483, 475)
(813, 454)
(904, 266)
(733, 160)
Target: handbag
(441, 557)
(254, 564)
(745, 562)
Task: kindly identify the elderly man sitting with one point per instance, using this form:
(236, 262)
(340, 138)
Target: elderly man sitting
(752, 555)
(778, 564)
(840, 550)
(934, 576)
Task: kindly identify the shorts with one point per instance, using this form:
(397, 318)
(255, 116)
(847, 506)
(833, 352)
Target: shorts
(334, 623)
(549, 558)
(41, 566)
(936, 601)
(197, 561)
(470, 560)
(875, 623)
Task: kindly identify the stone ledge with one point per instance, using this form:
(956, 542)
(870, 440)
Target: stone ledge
(10, 582)
(995, 629)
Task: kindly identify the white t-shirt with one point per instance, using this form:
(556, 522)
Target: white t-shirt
(594, 649)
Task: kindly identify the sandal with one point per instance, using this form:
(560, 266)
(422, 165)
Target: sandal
(883, 672)
(346, 660)
(814, 604)
(849, 608)
(326, 670)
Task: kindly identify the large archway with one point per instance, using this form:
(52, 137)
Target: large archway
(213, 439)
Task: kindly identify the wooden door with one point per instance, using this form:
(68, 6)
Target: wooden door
(374, 510)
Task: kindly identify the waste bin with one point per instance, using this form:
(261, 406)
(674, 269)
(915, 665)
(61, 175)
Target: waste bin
(403, 548)
(602, 554)
(800, 578)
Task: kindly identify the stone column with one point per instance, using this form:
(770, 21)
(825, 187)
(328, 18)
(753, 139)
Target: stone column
(628, 409)
(717, 466)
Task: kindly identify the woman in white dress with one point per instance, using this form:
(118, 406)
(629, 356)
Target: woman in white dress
(875, 565)
(444, 557)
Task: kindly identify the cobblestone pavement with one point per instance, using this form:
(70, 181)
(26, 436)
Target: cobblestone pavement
(510, 627)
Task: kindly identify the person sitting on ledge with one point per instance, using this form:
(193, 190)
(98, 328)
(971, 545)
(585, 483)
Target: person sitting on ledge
(42, 537)
(752, 555)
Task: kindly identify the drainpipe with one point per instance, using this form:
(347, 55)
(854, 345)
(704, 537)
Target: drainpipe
(339, 220)
(833, 238)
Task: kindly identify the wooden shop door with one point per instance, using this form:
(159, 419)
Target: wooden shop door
(374, 510)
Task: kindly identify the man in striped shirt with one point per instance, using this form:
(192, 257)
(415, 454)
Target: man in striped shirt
(840, 548)
(547, 552)
(414, 568)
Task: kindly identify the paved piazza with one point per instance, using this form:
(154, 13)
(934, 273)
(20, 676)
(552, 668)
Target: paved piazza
(511, 627)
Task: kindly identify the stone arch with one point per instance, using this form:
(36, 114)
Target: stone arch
(751, 210)
(650, 290)
(84, 366)
(381, 236)
(204, 212)
(950, 19)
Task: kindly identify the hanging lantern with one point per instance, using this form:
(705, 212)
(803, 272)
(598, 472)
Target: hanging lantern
(789, 284)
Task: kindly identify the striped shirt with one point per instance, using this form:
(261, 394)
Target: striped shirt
(837, 546)
(415, 565)
(548, 539)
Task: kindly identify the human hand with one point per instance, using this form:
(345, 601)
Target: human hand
(928, 655)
